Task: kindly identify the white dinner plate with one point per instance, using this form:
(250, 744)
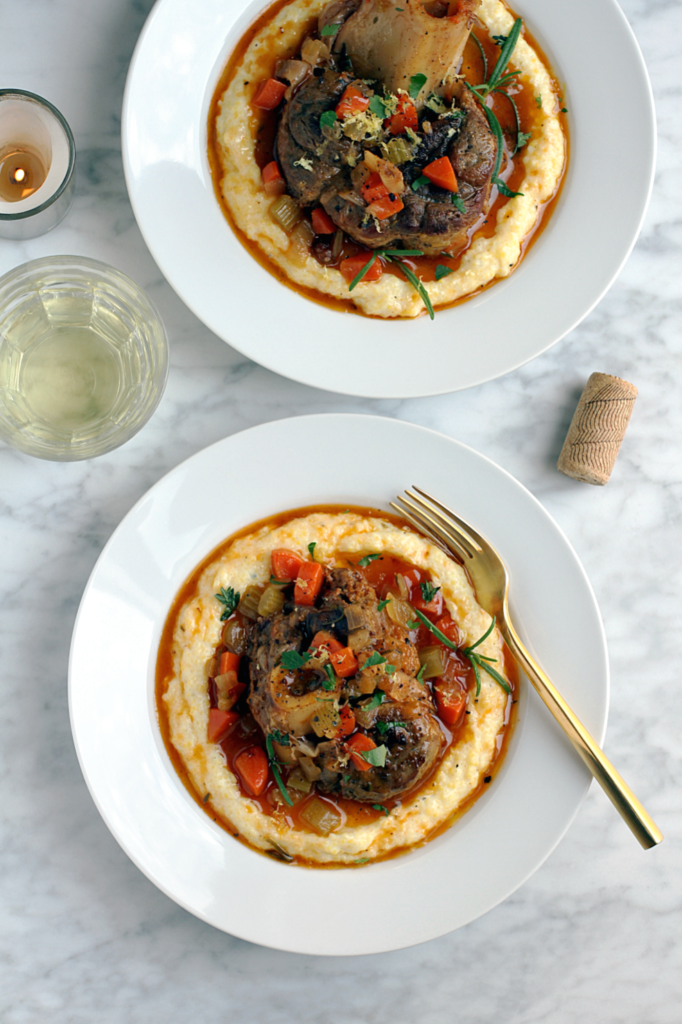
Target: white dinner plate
(455, 878)
(175, 69)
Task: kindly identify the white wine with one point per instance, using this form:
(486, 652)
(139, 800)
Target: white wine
(71, 378)
(83, 358)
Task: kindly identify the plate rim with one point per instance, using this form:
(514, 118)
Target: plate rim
(158, 486)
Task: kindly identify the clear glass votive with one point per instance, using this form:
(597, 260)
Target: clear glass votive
(83, 358)
(37, 163)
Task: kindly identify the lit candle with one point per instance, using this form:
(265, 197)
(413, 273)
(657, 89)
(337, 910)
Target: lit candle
(37, 161)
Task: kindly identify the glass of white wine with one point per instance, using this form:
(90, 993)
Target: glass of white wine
(83, 358)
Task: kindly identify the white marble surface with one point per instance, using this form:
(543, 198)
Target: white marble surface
(594, 935)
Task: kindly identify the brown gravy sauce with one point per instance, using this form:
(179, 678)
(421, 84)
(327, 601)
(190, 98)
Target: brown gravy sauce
(265, 124)
(380, 574)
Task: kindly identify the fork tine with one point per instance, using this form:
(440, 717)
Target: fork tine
(424, 521)
(454, 535)
(474, 538)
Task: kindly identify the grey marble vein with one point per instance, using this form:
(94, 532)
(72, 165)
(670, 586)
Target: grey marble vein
(594, 935)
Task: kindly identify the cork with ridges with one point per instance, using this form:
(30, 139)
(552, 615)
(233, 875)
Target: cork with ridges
(597, 429)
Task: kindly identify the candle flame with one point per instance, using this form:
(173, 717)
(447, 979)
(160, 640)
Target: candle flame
(19, 174)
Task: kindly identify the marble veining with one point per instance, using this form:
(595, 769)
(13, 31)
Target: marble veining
(594, 935)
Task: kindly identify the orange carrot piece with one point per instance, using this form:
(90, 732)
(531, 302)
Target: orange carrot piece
(228, 662)
(404, 117)
(252, 768)
(347, 724)
(285, 564)
(450, 702)
(269, 94)
(219, 724)
(441, 172)
(308, 583)
(352, 102)
(352, 265)
(322, 222)
(273, 182)
(344, 661)
(383, 208)
(357, 745)
(325, 641)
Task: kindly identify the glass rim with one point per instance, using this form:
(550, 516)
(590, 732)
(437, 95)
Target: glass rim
(13, 217)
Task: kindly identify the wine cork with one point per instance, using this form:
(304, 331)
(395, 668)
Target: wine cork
(597, 429)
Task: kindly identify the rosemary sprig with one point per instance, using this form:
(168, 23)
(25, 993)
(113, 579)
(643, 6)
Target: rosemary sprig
(275, 770)
(395, 256)
(478, 661)
(483, 56)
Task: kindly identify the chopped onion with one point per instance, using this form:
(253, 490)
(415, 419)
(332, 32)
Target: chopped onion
(294, 72)
(358, 640)
(297, 780)
(432, 660)
(365, 717)
(399, 611)
(338, 244)
(211, 667)
(326, 721)
(286, 213)
(300, 242)
(403, 589)
(314, 51)
(355, 616)
(399, 151)
(248, 606)
(352, 197)
(321, 816)
(309, 768)
(272, 601)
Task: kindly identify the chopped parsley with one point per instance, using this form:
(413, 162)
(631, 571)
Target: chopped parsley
(375, 757)
(442, 271)
(459, 203)
(311, 548)
(500, 40)
(330, 682)
(522, 138)
(291, 660)
(364, 562)
(230, 599)
(538, 101)
(389, 669)
(382, 604)
(377, 699)
(428, 591)
(374, 659)
(379, 807)
(417, 83)
(418, 182)
(385, 727)
(420, 674)
(377, 106)
(328, 119)
(281, 737)
(205, 800)
(330, 30)
(275, 770)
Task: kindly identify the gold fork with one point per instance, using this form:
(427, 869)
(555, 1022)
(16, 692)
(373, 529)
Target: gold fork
(491, 582)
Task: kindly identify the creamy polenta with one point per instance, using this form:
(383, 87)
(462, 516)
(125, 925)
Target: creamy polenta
(487, 258)
(338, 537)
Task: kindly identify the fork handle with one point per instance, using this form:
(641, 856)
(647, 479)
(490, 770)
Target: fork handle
(618, 792)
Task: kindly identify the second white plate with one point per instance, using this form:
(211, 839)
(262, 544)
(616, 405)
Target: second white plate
(455, 878)
(175, 69)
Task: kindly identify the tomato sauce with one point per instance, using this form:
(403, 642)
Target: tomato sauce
(380, 572)
(512, 171)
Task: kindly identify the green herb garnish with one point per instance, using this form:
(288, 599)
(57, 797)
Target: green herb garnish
(382, 604)
(205, 800)
(377, 106)
(280, 583)
(458, 203)
(478, 661)
(522, 138)
(389, 669)
(291, 660)
(311, 548)
(330, 682)
(328, 118)
(365, 860)
(364, 562)
(412, 624)
(428, 591)
(230, 599)
(417, 83)
(376, 757)
(420, 674)
(442, 272)
(384, 727)
(396, 254)
(500, 40)
(275, 770)
(377, 699)
(330, 30)
(281, 737)
(379, 807)
(418, 182)
(358, 277)
(374, 659)
(538, 101)
(418, 287)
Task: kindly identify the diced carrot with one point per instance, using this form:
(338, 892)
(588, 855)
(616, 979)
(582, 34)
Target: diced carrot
(404, 117)
(285, 564)
(433, 607)
(228, 662)
(383, 208)
(441, 172)
(269, 94)
(450, 702)
(219, 723)
(253, 769)
(344, 661)
(373, 188)
(347, 724)
(322, 222)
(352, 102)
(308, 583)
(446, 624)
(352, 265)
(357, 745)
(325, 641)
(273, 182)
